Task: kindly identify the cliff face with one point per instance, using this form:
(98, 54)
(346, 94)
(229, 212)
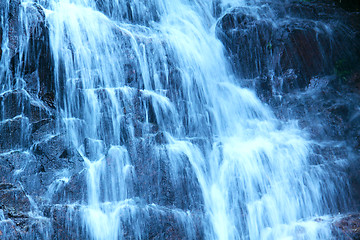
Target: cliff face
(302, 59)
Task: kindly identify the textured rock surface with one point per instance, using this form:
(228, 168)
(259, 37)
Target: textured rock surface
(348, 227)
(286, 45)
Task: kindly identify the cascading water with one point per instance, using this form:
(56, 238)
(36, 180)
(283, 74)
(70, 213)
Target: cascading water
(146, 83)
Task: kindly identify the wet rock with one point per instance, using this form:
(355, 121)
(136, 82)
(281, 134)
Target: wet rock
(5, 169)
(93, 148)
(39, 57)
(14, 134)
(19, 102)
(330, 115)
(13, 25)
(14, 202)
(42, 129)
(354, 180)
(159, 181)
(35, 36)
(283, 58)
(34, 181)
(287, 50)
(56, 171)
(22, 167)
(37, 60)
(327, 113)
(12, 165)
(57, 153)
(3, 7)
(71, 191)
(6, 186)
(47, 177)
(24, 228)
(167, 224)
(13, 104)
(66, 222)
(304, 52)
(348, 227)
(34, 228)
(306, 38)
(143, 13)
(8, 230)
(154, 222)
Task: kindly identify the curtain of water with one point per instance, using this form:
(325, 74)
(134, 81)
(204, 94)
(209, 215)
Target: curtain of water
(128, 70)
(4, 66)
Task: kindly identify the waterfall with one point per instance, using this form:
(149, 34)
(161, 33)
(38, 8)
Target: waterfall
(148, 99)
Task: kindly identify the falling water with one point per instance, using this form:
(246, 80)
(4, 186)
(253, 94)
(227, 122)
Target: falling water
(146, 82)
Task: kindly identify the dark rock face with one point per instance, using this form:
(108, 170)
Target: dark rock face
(14, 201)
(156, 185)
(34, 67)
(350, 5)
(13, 136)
(347, 227)
(308, 39)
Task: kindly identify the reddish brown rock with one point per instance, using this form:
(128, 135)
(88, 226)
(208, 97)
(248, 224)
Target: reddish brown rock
(348, 227)
(311, 39)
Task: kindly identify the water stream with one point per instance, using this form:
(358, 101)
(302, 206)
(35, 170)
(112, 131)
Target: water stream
(146, 83)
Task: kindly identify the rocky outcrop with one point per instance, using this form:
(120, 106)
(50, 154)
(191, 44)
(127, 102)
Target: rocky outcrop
(286, 45)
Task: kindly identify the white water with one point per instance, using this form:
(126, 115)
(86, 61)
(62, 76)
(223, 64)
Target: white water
(254, 173)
